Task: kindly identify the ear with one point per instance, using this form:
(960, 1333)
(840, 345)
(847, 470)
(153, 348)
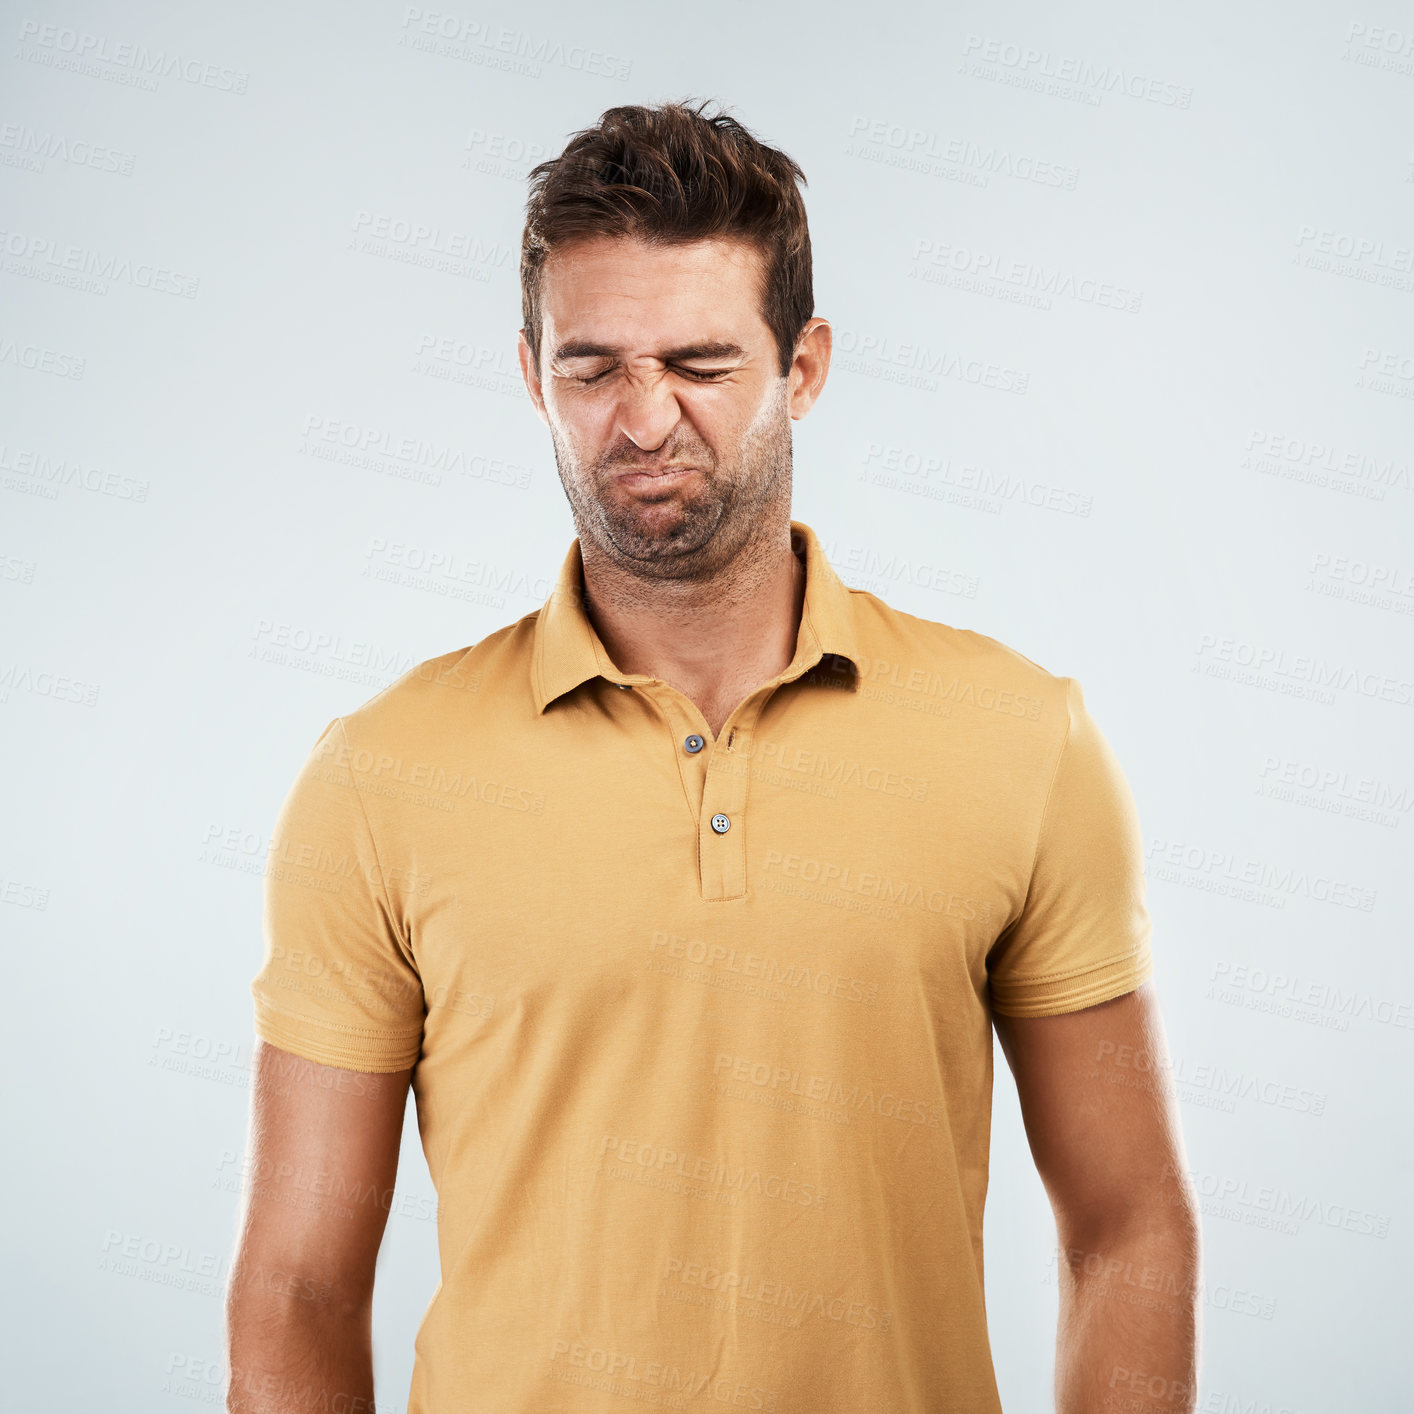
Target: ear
(531, 374)
(810, 367)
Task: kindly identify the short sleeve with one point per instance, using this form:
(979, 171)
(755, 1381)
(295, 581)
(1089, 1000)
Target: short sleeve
(1083, 934)
(339, 984)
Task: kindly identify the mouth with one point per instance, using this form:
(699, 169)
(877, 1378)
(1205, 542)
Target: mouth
(653, 480)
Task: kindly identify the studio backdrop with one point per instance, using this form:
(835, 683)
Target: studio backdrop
(1123, 376)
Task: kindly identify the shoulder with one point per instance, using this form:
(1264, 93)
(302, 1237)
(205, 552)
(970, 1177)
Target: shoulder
(446, 690)
(968, 668)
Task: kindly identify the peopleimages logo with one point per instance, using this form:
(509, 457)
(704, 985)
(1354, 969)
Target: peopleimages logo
(43, 258)
(950, 689)
(1255, 1202)
(1300, 675)
(634, 1369)
(865, 883)
(1282, 881)
(924, 150)
(827, 1090)
(1305, 458)
(59, 47)
(701, 1168)
(817, 979)
(760, 1290)
(985, 57)
(1289, 993)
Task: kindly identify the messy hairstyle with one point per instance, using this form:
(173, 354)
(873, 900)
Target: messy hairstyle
(669, 175)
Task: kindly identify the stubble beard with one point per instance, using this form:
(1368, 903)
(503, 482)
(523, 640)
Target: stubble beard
(691, 533)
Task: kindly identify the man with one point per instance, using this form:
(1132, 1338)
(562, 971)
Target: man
(687, 903)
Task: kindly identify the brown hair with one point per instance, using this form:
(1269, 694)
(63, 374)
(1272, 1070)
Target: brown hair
(670, 175)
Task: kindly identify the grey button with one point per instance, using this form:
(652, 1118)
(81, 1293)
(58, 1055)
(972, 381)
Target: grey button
(694, 743)
(721, 824)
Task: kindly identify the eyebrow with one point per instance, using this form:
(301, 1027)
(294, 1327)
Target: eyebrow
(705, 349)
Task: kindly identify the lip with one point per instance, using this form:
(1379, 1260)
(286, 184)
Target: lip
(640, 479)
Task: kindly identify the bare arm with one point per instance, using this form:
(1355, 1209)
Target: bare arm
(1102, 1122)
(323, 1156)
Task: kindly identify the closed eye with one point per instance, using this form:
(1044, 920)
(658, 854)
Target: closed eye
(701, 375)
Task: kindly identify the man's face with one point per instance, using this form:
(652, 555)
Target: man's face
(660, 384)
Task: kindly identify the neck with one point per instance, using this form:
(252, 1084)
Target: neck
(714, 639)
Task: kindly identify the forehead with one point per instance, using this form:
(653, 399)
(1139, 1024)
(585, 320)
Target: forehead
(622, 291)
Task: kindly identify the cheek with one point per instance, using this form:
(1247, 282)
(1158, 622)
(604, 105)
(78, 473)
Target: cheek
(581, 421)
(726, 416)
(768, 418)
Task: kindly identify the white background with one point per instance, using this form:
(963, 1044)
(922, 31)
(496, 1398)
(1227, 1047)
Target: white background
(1182, 477)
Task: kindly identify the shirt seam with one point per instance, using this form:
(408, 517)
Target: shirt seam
(373, 840)
(1031, 978)
(377, 1033)
(1045, 806)
(1126, 974)
(538, 689)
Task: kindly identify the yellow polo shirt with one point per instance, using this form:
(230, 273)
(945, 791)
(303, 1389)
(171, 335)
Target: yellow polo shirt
(702, 1028)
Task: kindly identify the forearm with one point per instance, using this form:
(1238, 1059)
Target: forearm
(1127, 1341)
(289, 1357)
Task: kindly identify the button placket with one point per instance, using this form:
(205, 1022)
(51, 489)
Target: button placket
(685, 725)
(722, 829)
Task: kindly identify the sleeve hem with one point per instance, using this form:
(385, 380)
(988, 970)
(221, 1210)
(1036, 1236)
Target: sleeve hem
(377, 1052)
(1094, 985)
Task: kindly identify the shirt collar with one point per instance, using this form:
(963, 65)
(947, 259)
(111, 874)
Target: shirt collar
(567, 651)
